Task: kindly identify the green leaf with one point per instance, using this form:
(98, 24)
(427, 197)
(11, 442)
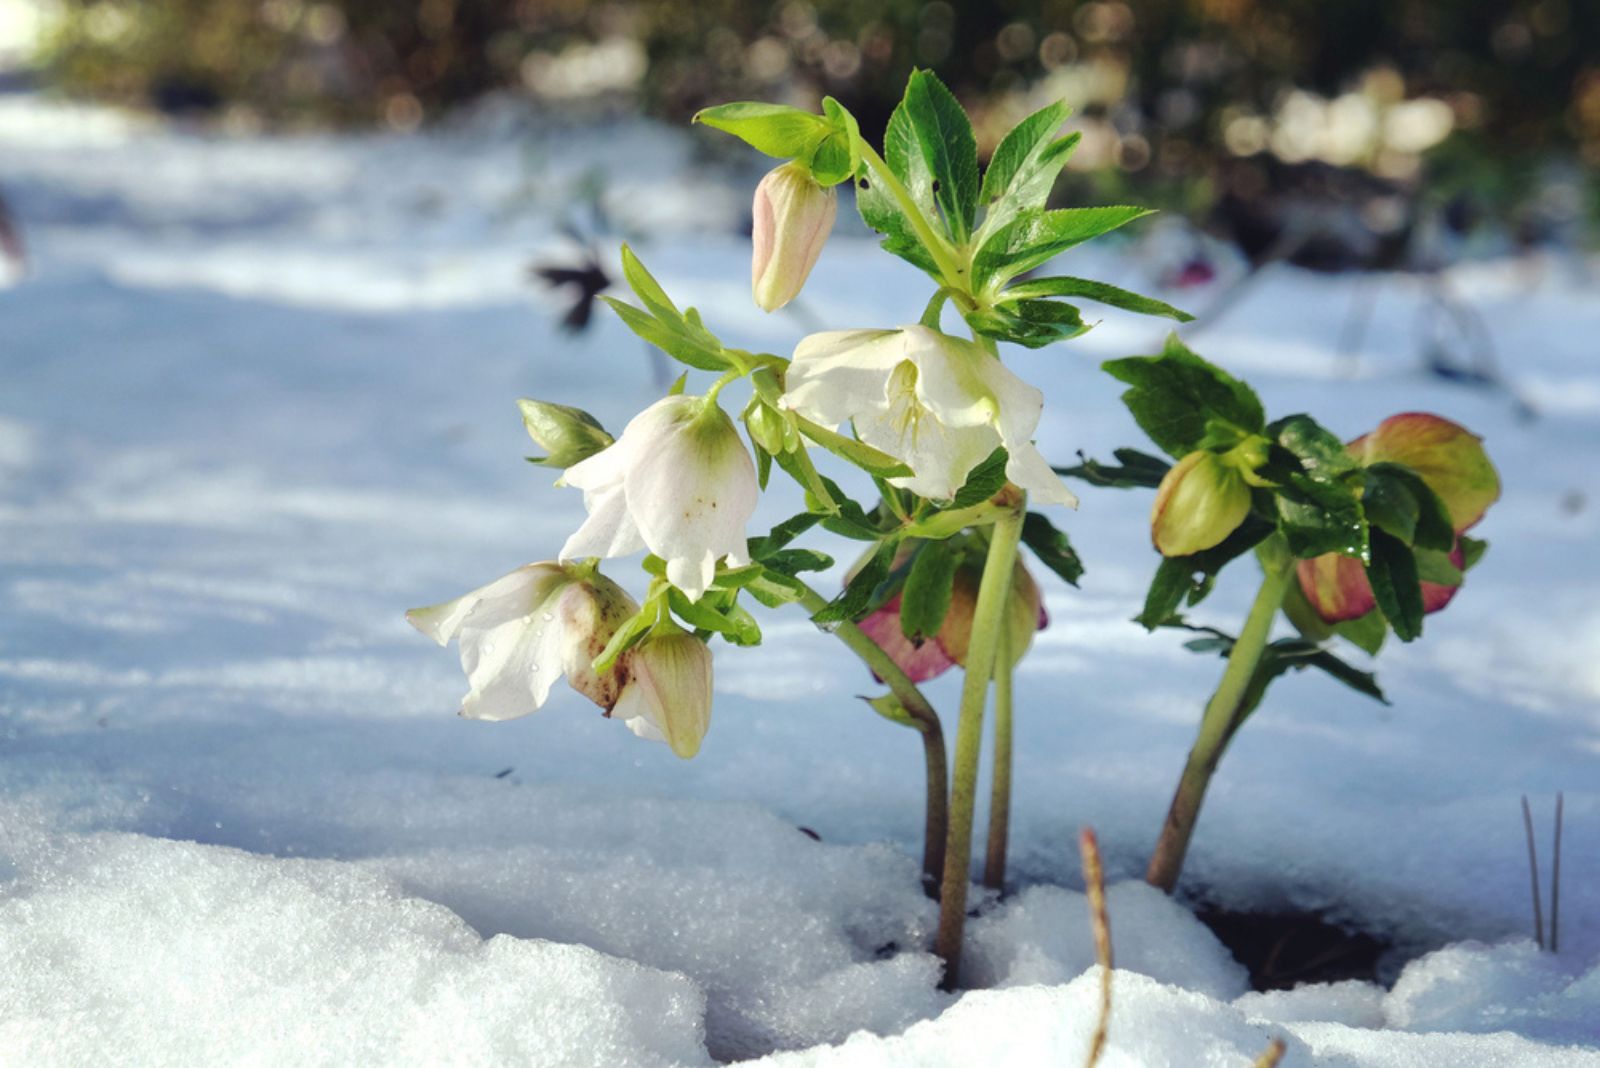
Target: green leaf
(1035, 237)
(782, 534)
(1320, 452)
(1025, 165)
(1366, 633)
(1321, 516)
(881, 211)
(1032, 323)
(792, 562)
(1433, 565)
(838, 156)
(944, 136)
(1472, 550)
(1176, 394)
(738, 626)
(983, 481)
(1051, 547)
(773, 589)
(1423, 515)
(1393, 577)
(1099, 292)
(872, 461)
(925, 597)
(677, 343)
(1136, 469)
(889, 707)
(1190, 578)
(858, 595)
(849, 519)
(626, 636)
(777, 130)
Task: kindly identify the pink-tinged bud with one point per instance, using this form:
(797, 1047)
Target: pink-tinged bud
(1450, 458)
(793, 216)
(1201, 500)
(667, 696)
(1025, 614)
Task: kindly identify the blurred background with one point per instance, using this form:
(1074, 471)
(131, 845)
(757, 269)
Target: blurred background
(1480, 119)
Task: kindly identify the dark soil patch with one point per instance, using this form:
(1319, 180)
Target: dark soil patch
(1284, 949)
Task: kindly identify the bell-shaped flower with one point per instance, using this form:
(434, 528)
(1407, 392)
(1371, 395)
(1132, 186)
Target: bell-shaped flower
(938, 404)
(667, 696)
(793, 215)
(1201, 500)
(679, 482)
(1452, 461)
(525, 630)
(922, 661)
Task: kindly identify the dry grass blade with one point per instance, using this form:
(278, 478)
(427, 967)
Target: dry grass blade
(1094, 878)
(1271, 1055)
(1533, 873)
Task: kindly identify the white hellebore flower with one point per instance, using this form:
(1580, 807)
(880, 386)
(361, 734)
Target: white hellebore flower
(523, 631)
(679, 482)
(668, 694)
(938, 404)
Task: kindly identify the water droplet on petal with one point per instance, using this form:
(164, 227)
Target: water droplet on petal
(548, 617)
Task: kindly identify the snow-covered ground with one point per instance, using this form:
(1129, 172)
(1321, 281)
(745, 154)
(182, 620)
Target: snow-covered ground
(256, 399)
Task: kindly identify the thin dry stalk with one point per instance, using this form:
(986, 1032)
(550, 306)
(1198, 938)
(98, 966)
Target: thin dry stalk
(1094, 878)
(1555, 880)
(1533, 873)
(1271, 1055)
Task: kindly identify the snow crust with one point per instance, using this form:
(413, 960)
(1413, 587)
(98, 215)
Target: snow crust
(257, 401)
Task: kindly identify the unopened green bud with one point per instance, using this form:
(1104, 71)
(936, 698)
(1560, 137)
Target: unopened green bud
(766, 426)
(567, 434)
(1201, 500)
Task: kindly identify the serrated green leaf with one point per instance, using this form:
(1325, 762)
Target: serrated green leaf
(1425, 517)
(1099, 292)
(857, 597)
(774, 129)
(1024, 166)
(1190, 578)
(792, 562)
(1034, 237)
(983, 481)
(1051, 547)
(1136, 469)
(1176, 394)
(1031, 323)
(925, 597)
(664, 336)
(1319, 451)
(945, 139)
(1393, 577)
(1321, 516)
(881, 211)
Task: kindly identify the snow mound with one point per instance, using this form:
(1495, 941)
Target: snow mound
(132, 950)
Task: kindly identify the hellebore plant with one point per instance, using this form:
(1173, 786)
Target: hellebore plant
(1353, 541)
(937, 424)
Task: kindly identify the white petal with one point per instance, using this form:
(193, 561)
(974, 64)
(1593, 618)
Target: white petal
(692, 495)
(1020, 404)
(608, 531)
(841, 373)
(1029, 469)
(948, 381)
(504, 598)
(940, 457)
(510, 667)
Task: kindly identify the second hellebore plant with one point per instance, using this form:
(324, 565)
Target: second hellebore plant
(936, 424)
(1352, 541)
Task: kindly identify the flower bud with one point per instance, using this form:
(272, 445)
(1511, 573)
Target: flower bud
(1449, 457)
(667, 695)
(567, 434)
(766, 426)
(1201, 500)
(793, 216)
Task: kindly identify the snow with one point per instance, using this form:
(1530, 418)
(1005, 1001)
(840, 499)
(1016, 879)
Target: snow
(258, 399)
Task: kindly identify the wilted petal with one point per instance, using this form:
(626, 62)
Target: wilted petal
(1450, 458)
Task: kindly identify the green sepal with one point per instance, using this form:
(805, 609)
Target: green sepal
(1174, 395)
(925, 597)
(1051, 547)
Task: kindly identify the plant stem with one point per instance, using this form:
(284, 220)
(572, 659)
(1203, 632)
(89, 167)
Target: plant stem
(955, 275)
(937, 811)
(993, 592)
(1223, 714)
(994, 860)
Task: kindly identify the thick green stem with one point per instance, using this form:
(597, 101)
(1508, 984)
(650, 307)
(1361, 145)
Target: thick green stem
(955, 275)
(988, 617)
(994, 859)
(937, 811)
(1222, 717)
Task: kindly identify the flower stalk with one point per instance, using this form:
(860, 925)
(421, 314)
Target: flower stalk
(1223, 715)
(994, 861)
(988, 619)
(936, 811)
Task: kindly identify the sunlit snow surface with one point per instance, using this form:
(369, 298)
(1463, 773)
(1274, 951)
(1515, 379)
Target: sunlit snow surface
(257, 399)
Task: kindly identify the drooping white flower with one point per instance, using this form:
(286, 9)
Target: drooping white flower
(938, 404)
(525, 630)
(679, 482)
(667, 697)
(792, 217)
